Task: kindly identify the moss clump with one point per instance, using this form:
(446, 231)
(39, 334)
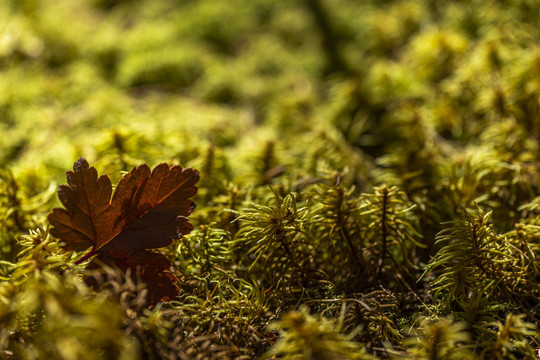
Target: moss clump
(369, 188)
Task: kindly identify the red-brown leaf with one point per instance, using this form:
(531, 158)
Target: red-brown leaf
(148, 210)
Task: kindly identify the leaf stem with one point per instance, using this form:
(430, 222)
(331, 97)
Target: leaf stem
(86, 257)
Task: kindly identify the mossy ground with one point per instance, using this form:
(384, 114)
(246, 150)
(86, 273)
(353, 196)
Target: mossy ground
(369, 175)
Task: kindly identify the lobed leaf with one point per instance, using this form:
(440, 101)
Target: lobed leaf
(148, 210)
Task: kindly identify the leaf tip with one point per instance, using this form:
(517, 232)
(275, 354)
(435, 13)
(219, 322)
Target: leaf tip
(80, 164)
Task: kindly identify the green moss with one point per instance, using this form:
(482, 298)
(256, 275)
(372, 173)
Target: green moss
(374, 161)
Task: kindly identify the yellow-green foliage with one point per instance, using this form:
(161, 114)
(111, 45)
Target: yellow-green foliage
(370, 176)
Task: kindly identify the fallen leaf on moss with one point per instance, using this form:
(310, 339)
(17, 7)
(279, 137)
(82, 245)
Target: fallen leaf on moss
(148, 210)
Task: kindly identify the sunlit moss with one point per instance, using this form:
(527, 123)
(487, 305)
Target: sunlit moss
(375, 160)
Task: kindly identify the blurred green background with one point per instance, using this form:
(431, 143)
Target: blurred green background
(122, 82)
